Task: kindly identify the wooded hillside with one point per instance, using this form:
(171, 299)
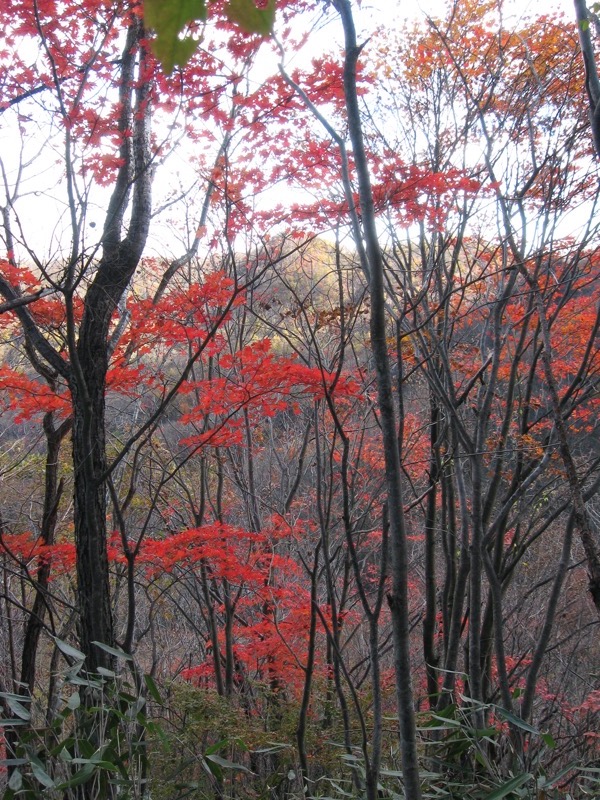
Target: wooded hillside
(299, 377)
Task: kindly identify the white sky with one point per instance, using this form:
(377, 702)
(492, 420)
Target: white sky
(41, 209)
(413, 9)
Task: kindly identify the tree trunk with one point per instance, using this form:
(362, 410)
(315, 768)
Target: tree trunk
(52, 494)
(398, 598)
(89, 461)
(90, 354)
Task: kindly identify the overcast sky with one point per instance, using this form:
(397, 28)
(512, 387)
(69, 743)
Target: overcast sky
(46, 201)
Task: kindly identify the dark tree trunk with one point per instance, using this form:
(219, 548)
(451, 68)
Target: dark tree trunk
(89, 461)
(52, 493)
(373, 267)
(90, 354)
(429, 621)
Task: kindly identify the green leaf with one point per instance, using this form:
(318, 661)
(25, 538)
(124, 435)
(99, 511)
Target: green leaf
(223, 762)
(174, 53)
(16, 780)
(516, 721)
(114, 651)
(214, 748)
(168, 18)
(548, 740)
(250, 18)
(18, 709)
(64, 753)
(67, 650)
(212, 768)
(509, 787)
(339, 789)
(448, 722)
(74, 701)
(40, 773)
(549, 783)
(153, 689)
(106, 673)
(22, 698)
(156, 730)
(274, 748)
(81, 776)
(107, 765)
(241, 744)
(447, 713)
(75, 680)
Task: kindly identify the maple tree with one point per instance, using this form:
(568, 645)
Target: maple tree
(81, 359)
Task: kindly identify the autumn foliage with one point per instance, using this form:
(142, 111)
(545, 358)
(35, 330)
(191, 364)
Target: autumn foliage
(192, 456)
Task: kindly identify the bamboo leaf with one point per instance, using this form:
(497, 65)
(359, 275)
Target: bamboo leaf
(114, 651)
(18, 709)
(516, 721)
(508, 787)
(81, 776)
(40, 773)
(16, 780)
(153, 689)
(226, 764)
(69, 651)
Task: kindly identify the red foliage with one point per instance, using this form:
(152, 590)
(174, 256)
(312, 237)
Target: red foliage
(29, 397)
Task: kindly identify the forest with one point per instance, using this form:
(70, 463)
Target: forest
(299, 386)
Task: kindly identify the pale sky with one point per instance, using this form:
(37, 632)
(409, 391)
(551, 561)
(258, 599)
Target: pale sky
(42, 207)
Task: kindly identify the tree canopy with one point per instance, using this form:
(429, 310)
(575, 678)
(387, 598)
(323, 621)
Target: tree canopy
(299, 382)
